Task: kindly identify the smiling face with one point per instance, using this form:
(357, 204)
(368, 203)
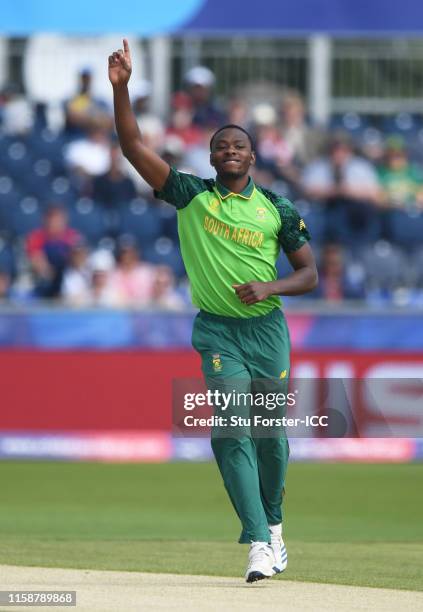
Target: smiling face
(231, 154)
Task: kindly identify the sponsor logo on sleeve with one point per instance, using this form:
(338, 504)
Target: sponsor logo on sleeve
(217, 363)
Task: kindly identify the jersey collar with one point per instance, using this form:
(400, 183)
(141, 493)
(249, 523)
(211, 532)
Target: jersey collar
(245, 194)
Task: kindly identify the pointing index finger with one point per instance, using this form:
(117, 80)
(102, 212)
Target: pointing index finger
(125, 45)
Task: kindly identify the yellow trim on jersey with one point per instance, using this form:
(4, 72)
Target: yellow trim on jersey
(246, 194)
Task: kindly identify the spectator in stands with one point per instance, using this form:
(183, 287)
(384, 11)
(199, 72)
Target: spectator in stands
(76, 285)
(197, 158)
(154, 131)
(88, 157)
(206, 113)
(132, 281)
(153, 126)
(114, 187)
(350, 187)
(273, 152)
(337, 281)
(274, 156)
(16, 114)
(402, 181)
(341, 174)
(238, 112)
(48, 250)
(173, 150)
(180, 122)
(83, 111)
(164, 294)
(304, 141)
(101, 265)
(140, 96)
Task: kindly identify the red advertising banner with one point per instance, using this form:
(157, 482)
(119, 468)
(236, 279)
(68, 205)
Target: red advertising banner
(112, 391)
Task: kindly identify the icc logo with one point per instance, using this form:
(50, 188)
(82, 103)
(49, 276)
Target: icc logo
(260, 213)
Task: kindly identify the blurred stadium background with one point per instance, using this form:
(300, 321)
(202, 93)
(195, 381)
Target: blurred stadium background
(95, 316)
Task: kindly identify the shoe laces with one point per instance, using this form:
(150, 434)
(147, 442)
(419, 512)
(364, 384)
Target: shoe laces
(259, 551)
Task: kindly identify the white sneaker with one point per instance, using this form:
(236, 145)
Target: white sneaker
(279, 549)
(260, 562)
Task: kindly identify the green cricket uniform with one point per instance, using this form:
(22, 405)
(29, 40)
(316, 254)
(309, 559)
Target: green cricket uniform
(228, 239)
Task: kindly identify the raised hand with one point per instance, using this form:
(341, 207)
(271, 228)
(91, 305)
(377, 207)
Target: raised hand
(148, 164)
(120, 65)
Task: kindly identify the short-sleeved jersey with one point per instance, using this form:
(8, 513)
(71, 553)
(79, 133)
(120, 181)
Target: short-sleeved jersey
(231, 238)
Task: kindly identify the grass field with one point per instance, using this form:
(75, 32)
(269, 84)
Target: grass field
(346, 524)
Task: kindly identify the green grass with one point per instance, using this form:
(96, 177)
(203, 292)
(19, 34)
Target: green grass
(346, 524)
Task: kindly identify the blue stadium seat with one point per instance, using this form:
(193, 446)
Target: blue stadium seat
(372, 136)
(385, 266)
(58, 189)
(314, 216)
(164, 251)
(16, 159)
(61, 190)
(9, 199)
(48, 145)
(415, 146)
(350, 122)
(169, 222)
(27, 216)
(37, 181)
(354, 224)
(401, 123)
(141, 220)
(405, 228)
(416, 264)
(7, 259)
(5, 142)
(284, 189)
(283, 266)
(87, 217)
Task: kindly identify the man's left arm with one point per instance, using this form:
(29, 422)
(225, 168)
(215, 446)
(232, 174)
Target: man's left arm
(294, 239)
(303, 279)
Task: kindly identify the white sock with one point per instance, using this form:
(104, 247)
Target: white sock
(259, 543)
(276, 529)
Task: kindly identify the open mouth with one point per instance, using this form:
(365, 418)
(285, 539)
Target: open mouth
(231, 161)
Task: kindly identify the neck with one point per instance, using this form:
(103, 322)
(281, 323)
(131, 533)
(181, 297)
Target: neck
(235, 184)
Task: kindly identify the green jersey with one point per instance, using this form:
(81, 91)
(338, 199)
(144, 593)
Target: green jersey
(231, 238)
(403, 185)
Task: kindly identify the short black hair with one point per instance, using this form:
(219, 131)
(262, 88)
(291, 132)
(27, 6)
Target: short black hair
(231, 126)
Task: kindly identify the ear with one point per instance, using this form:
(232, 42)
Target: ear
(211, 160)
(253, 158)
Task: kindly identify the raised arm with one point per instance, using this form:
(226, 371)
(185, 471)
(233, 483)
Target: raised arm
(151, 167)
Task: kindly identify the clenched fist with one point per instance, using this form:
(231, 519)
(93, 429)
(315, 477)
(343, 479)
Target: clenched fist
(253, 292)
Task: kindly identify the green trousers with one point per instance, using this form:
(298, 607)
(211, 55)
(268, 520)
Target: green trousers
(247, 358)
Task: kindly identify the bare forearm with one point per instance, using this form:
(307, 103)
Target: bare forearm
(126, 124)
(150, 166)
(300, 281)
